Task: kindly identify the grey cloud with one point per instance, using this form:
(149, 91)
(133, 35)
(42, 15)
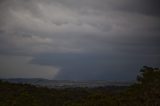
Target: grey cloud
(75, 29)
(82, 29)
(146, 7)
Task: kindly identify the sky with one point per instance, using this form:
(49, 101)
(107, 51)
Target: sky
(78, 39)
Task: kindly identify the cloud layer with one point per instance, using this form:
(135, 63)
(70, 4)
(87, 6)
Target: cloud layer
(86, 39)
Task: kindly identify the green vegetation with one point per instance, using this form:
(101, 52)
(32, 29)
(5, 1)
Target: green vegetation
(146, 92)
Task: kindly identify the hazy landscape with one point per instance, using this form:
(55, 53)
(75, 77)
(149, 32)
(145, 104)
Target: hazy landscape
(79, 52)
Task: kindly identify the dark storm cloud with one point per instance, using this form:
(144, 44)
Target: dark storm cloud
(83, 39)
(146, 7)
(96, 66)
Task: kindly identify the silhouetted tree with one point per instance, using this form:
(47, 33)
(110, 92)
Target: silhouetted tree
(149, 75)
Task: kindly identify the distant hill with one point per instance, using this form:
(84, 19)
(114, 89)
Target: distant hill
(66, 83)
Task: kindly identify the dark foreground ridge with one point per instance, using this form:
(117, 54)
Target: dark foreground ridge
(145, 92)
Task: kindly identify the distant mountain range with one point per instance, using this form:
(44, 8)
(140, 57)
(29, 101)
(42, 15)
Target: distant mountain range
(66, 83)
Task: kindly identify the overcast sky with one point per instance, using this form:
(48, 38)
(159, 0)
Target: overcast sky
(78, 39)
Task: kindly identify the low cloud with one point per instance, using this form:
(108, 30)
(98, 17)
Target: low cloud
(97, 66)
(19, 67)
